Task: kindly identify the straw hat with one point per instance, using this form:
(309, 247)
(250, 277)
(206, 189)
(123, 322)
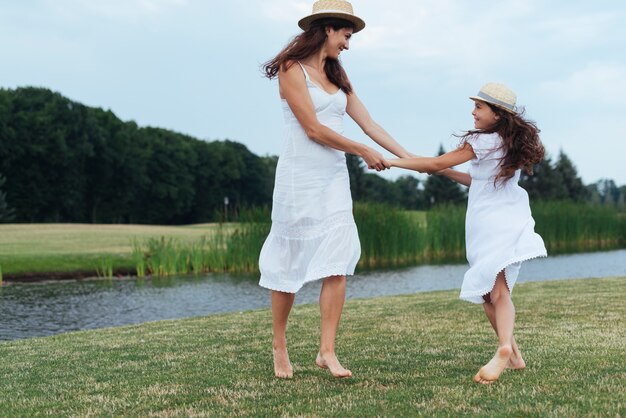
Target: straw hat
(332, 8)
(498, 95)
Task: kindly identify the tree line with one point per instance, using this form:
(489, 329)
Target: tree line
(61, 161)
(66, 162)
(551, 180)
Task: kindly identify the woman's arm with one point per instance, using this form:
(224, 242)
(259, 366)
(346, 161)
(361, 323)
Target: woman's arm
(433, 164)
(293, 89)
(463, 178)
(357, 111)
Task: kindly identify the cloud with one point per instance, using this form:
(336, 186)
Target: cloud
(285, 11)
(462, 37)
(597, 83)
(575, 31)
(114, 9)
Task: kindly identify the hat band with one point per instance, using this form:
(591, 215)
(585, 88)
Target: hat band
(332, 11)
(493, 100)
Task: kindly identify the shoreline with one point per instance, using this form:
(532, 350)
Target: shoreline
(62, 276)
(130, 272)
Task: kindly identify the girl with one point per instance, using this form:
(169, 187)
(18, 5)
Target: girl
(499, 227)
(313, 234)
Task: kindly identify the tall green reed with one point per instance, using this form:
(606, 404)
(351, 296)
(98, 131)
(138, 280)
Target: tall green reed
(573, 227)
(392, 237)
(139, 258)
(389, 237)
(162, 256)
(445, 233)
(105, 268)
(228, 249)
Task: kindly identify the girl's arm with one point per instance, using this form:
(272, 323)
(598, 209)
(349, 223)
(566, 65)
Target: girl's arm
(433, 164)
(357, 111)
(463, 178)
(293, 89)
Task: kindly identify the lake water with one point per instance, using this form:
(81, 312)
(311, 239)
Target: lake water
(33, 310)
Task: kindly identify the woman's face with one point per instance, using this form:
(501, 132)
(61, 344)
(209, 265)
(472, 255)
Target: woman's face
(337, 41)
(484, 117)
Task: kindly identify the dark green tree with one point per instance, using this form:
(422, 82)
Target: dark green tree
(573, 184)
(606, 191)
(546, 183)
(7, 214)
(411, 196)
(356, 170)
(441, 190)
(72, 163)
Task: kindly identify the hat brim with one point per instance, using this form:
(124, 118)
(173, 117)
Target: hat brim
(305, 22)
(499, 106)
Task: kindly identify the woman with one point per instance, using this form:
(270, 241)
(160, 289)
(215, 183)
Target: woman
(313, 234)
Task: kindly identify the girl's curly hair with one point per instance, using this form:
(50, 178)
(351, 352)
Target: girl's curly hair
(520, 142)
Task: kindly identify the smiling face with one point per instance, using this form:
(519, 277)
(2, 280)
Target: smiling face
(337, 41)
(484, 116)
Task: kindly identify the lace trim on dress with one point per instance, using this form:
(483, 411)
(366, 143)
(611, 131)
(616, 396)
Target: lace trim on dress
(486, 291)
(311, 228)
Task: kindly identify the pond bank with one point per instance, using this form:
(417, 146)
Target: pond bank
(58, 276)
(30, 310)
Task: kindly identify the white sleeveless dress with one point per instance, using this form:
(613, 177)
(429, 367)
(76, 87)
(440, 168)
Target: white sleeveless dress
(499, 227)
(313, 234)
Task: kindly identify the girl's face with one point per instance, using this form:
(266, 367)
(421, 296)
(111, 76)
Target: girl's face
(484, 117)
(337, 41)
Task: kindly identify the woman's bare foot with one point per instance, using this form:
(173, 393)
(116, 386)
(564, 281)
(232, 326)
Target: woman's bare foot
(329, 361)
(282, 366)
(491, 371)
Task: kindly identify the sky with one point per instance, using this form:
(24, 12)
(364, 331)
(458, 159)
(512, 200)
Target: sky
(193, 66)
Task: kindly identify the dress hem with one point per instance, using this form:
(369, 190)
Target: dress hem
(471, 296)
(318, 275)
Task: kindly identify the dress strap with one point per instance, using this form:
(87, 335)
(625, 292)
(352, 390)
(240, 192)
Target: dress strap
(306, 75)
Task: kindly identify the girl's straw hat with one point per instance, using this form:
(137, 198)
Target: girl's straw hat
(332, 8)
(498, 95)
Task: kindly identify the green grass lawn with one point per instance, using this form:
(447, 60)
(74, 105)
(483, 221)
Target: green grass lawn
(70, 247)
(410, 355)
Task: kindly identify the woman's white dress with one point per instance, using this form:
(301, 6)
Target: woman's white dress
(313, 234)
(499, 227)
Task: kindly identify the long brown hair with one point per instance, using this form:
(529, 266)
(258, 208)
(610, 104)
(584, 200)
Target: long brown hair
(520, 142)
(306, 44)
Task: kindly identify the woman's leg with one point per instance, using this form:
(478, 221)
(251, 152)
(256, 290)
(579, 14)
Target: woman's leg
(281, 306)
(505, 321)
(332, 298)
(516, 362)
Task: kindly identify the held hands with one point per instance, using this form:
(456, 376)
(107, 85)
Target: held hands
(374, 160)
(414, 162)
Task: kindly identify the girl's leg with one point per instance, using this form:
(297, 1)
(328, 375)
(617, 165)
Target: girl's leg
(516, 362)
(332, 298)
(281, 306)
(505, 321)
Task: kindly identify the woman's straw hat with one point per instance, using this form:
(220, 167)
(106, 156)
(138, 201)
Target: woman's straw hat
(498, 95)
(332, 8)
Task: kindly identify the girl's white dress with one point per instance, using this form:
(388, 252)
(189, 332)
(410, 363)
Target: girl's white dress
(499, 228)
(313, 234)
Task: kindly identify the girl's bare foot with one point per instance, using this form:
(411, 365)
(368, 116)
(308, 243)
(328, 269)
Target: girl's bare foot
(516, 362)
(282, 366)
(491, 371)
(329, 361)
